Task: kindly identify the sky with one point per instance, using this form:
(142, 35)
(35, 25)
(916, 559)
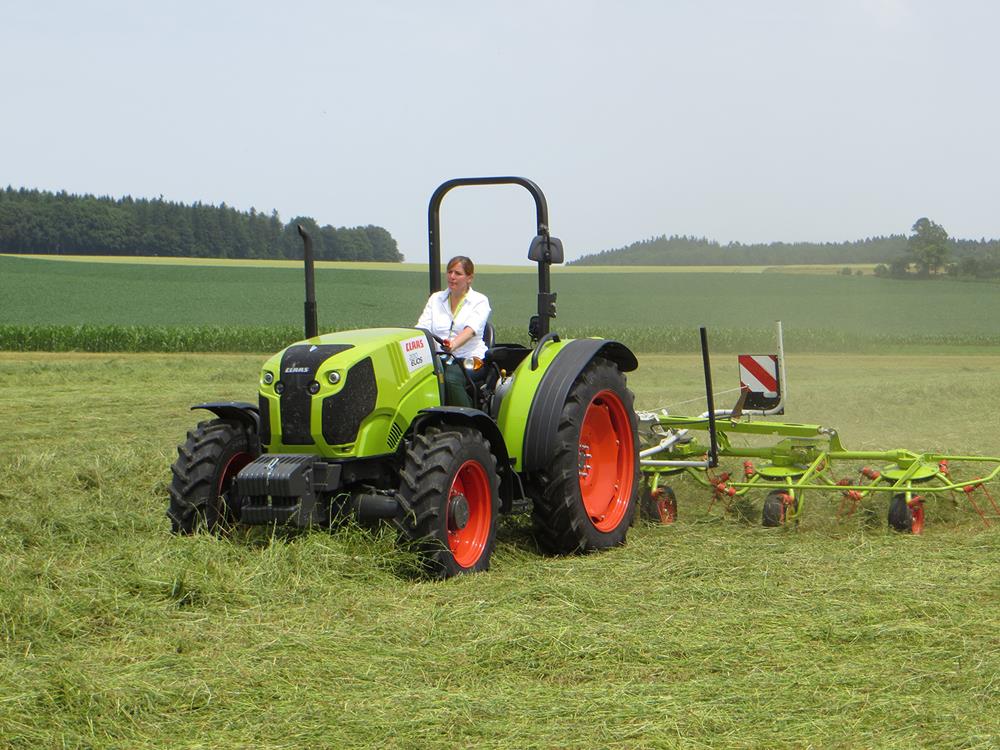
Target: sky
(731, 120)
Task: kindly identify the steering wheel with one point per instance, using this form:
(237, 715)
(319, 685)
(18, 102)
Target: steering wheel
(444, 354)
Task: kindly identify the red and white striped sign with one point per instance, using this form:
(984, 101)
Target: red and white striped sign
(759, 373)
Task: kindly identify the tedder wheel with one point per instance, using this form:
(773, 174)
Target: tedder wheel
(207, 462)
(451, 492)
(659, 505)
(901, 515)
(774, 509)
(590, 486)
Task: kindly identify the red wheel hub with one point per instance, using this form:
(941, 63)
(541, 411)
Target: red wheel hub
(607, 461)
(469, 513)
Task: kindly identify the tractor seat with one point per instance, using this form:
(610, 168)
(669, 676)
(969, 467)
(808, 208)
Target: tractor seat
(507, 356)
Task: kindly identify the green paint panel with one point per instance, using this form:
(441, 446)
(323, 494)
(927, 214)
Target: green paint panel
(781, 472)
(513, 416)
(922, 473)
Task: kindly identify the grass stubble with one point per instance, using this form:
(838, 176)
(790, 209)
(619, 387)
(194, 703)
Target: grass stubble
(710, 633)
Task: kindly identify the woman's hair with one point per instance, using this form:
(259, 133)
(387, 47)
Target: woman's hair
(468, 267)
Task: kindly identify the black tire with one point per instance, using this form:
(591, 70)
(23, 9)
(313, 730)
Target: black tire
(207, 462)
(588, 499)
(647, 510)
(900, 514)
(774, 509)
(649, 507)
(447, 468)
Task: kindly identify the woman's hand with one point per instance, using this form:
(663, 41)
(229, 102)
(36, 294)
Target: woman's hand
(454, 342)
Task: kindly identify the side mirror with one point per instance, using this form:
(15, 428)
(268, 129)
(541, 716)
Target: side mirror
(545, 249)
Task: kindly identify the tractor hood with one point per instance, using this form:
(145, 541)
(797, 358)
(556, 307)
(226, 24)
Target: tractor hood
(349, 393)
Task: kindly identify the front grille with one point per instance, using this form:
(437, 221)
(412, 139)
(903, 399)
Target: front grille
(344, 411)
(298, 369)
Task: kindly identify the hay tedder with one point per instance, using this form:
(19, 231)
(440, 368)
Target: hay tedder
(801, 459)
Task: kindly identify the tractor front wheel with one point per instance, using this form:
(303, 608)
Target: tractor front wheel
(590, 487)
(207, 463)
(450, 491)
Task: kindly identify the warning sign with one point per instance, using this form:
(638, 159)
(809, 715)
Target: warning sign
(759, 379)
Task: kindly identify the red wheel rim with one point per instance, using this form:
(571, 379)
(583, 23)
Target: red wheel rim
(607, 461)
(667, 511)
(918, 518)
(666, 506)
(236, 462)
(468, 542)
(787, 501)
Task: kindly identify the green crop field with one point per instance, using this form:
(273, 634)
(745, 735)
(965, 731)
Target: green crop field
(710, 633)
(234, 307)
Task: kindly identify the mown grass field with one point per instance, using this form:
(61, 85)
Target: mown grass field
(707, 634)
(710, 633)
(169, 307)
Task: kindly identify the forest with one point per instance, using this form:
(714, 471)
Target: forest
(896, 255)
(42, 222)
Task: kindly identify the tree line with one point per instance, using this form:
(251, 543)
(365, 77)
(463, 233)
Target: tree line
(681, 250)
(929, 251)
(36, 221)
(926, 252)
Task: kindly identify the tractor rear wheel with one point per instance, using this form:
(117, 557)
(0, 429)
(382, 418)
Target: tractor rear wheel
(590, 487)
(450, 491)
(207, 463)
(900, 514)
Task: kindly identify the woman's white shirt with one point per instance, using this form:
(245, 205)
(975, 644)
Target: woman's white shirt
(473, 313)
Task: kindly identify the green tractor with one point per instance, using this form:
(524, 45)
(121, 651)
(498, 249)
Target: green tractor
(355, 424)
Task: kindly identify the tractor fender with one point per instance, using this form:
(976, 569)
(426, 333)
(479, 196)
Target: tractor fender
(550, 396)
(236, 411)
(435, 415)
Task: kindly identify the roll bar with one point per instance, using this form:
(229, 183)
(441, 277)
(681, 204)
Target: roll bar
(545, 249)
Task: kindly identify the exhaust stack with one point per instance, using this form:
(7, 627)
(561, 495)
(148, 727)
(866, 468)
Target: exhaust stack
(312, 324)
